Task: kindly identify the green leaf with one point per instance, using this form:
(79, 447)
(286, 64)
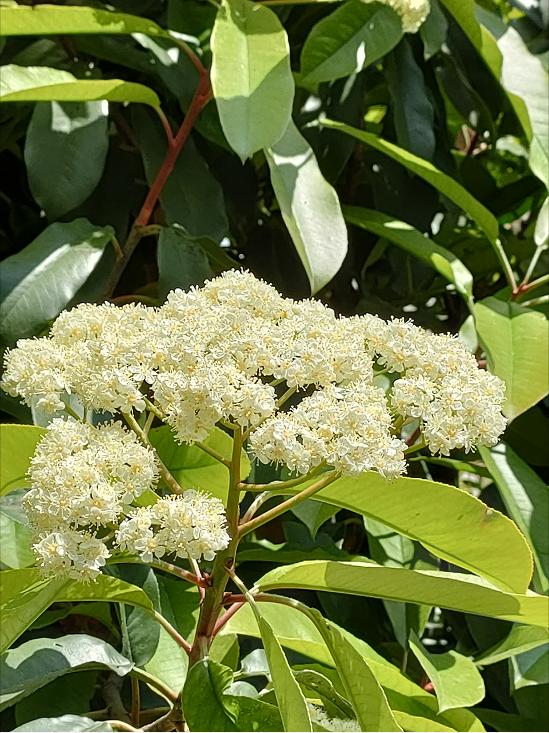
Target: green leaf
(41, 279)
(526, 498)
(181, 262)
(413, 112)
(17, 445)
(15, 535)
(319, 686)
(42, 84)
(191, 198)
(25, 594)
(309, 206)
(68, 144)
(251, 76)
(456, 680)
(448, 590)
(447, 521)
(413, 241)
(296, 631)
(313, 514)
(349, 39)
(360, 683)
(520, 639)
(52, 20)
(464, 12)
(434, 30)
(65, 723)
(291, 702)
(418, 723)
(202, 697)
(447, 186)
(541, 233)
(39, 661)
(251, 714)
(193, 467)
(515, 337)
(530, 668)
(140, 631)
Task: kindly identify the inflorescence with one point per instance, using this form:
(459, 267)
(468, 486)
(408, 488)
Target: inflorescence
(308, 388)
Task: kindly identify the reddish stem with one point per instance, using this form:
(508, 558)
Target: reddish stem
(229, 613)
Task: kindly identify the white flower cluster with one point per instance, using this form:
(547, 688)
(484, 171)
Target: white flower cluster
(412, 12)
(191, 525)
(229, 351)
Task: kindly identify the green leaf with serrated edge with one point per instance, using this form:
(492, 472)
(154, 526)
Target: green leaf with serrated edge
(65, 724)
(251, 76)
(455, 591)
(25, 594)
(516, 340)
(66, 143)
(17, 445)
(194, 468)
(202, 697)
(413, 241)
(361, 686)
(447, 521)
(291, 702)
(520, 639)
(309, 206)
(42, 84)
(456, 680)
(444, 183)
(53, 20)
(38, 282)
(35, 663)
(297, 632)
(347, 40)
(526, 498)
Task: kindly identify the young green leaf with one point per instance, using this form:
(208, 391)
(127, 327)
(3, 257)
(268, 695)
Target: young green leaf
(347, 40)
(309, 206)
(251, 76)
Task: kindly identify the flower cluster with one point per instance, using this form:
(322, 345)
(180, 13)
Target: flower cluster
(412, 12)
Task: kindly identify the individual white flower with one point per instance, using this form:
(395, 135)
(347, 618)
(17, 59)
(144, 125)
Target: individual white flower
(72, 554)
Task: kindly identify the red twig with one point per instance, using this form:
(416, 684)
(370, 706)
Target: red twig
(229, 613)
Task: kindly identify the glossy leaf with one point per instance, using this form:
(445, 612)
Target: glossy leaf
(53, 20)
(17, 444)
(251, 76)
(193, 467)
(361, 686)
(64, 723)
(68, 144)
(15, 536)
(515, 338)
(520, 639)
(181, 262)
(448, 522)
(434, 30)
(456, 680)
(39, 661)
(530, 668)
(41, 279)
(526, 498)
(25, 594)
(309, 206)
(202, 697)
(448, 590)
(444, 183)
(347, 40)
(42, 84)
(413, 241)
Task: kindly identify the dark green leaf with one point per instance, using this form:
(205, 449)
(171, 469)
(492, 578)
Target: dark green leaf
(202, 697)
(181, 262)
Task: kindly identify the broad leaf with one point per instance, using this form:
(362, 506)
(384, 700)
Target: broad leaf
(202, 697)
(39, 661)
(309, 206)
(413, 241)
(347, 40)
(42, 84)
(361, 686)
(446, 185)
(193, 467)
(448, 590)
(41, 279)
(181, 262)
(456, 680)
(66, 143)
(526, 498)
(65, 723)
(53, 20)
(251, 76)
(447, 521)
(17, 444)
(15, 535)
(25, 594)
(530, 668)
(515, 339)
(520, 639)
(434, 30)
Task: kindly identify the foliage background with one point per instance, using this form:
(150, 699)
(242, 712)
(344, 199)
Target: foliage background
(467, 94)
